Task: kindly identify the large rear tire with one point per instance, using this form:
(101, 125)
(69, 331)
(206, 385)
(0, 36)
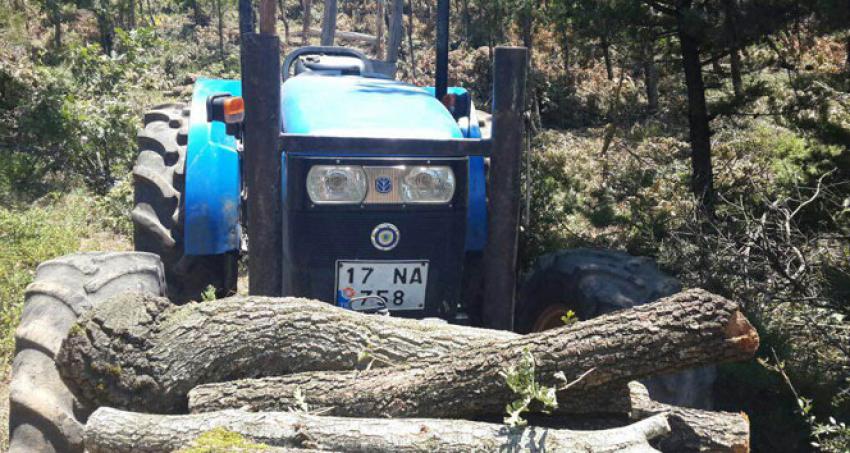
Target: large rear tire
(44, 416)
(594, 282)
(159, 179)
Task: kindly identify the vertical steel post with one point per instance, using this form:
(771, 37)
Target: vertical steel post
(500, 255)
(441, 78)
(261, 85)
(246, 17)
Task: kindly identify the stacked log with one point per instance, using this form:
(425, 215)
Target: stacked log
(255, 365)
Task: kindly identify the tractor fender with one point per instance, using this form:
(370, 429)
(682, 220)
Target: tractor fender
(211, 203)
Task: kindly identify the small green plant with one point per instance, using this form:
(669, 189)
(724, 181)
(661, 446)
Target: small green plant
(208, 295)
(221, 440)
(569, 318)
(521, 380)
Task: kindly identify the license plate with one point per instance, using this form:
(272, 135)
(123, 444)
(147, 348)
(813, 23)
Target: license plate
(401, 284)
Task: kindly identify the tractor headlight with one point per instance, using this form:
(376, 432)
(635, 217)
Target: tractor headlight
(336, 184)
(427, 184)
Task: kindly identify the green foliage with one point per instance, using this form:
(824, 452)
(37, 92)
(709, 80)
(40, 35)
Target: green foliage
(569, 318)
(221, 440)
(208, 294)
(521, 380)
(51, 227)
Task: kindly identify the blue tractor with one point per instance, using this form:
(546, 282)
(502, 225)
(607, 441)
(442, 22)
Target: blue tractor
(363, 191)
(342, 185)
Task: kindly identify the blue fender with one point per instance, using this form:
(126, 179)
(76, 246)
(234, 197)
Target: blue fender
(213, 180)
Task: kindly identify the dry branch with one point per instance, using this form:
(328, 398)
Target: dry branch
(114, 431)
(689, 329)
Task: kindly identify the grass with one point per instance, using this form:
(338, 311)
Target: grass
(55, 225)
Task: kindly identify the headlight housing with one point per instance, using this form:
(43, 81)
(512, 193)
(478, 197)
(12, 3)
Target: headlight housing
(428, 184)
(336, 184)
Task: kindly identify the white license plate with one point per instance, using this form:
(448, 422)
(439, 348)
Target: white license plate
(401, 284)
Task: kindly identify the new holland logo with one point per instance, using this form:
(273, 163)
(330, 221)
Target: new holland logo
(385, 237)
(383, 184)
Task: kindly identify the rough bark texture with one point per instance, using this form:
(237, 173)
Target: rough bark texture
(688, 329)
(702, 178)
(114, 431)
(694, 430)
(144, 353)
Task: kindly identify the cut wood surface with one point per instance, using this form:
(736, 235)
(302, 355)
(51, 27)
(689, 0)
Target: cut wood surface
(694, 430)
(115, 431)
(142, 353)
(688, 329)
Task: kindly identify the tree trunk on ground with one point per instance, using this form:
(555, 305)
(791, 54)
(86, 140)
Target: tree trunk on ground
(702, 178)
(379, 29)
(305, 26)
(694, 430)
(606, 54)
(689, 329)
(296, 335)
(114, 431)
(329, 23)
(344, 36)
(394, 42)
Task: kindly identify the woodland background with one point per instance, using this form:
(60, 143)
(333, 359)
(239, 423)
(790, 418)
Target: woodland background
(713, 135)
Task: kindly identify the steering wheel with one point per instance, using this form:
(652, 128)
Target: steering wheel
(324, 50)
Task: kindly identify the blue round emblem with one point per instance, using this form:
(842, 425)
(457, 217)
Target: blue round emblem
(385, 237)
(383, 184)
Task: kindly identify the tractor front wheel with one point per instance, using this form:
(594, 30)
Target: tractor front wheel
(159, 178)
(44, 415)
(591, 283)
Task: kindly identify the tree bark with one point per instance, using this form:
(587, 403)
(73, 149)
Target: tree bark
(693, 430)
(114, 431)
(140, 352)
(344, 36)
(731, 12)
(329, 23)
(702, 178)
(410, 31)
(220, 16)
(379, 29)
(689, 329)
(606, 54)
(305, 26)
(281, 4)
(650, 72)
(394, 42)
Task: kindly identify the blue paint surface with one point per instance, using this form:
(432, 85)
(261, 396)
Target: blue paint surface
(211, 196)
(476, 209)
(352, 106)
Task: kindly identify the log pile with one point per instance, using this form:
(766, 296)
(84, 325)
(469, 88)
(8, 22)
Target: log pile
(300, 374)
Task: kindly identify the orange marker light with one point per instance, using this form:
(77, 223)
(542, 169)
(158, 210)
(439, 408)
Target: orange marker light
(234, 110)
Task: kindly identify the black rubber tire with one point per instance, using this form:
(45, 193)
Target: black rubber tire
(159, 180)
(593, 282)
(44, 416)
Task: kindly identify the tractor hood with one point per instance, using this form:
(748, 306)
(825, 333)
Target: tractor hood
(354, 106)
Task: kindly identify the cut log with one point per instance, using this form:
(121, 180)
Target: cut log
(694, 430)
(143, 353)
(114, 431)
(689, 329)
(351, 36)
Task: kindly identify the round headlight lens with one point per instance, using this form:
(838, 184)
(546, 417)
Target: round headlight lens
(427, 184)
(336, 184)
